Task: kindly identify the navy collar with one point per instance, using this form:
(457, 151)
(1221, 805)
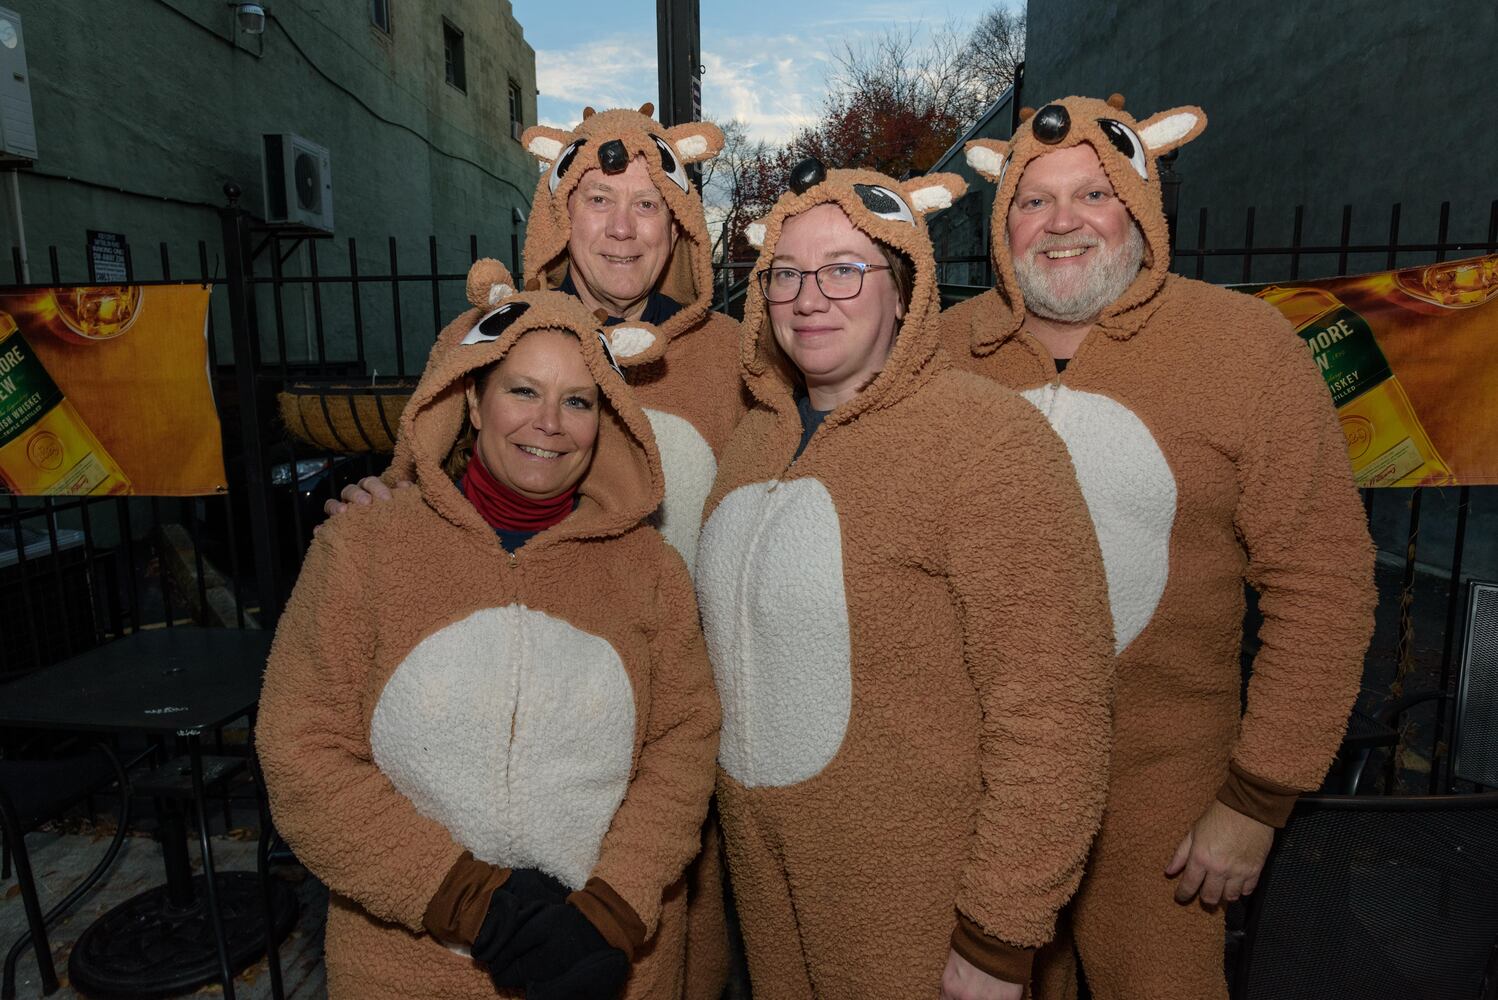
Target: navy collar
(659, 307)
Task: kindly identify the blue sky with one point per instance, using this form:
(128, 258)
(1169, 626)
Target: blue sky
(766, 61)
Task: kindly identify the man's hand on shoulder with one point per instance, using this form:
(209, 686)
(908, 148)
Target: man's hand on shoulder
(1220, 857)
(361, 494)
(962, 980)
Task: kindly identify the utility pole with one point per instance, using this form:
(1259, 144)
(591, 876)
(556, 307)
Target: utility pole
(679, 58)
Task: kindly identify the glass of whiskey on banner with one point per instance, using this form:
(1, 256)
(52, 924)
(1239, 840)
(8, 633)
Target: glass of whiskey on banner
(45, 447)
(1385, 441)
(98, 312)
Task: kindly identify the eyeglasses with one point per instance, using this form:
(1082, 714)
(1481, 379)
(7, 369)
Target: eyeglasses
(842, 280)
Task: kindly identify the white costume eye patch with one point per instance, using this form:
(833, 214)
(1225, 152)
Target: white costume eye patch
(563, 162)
(671, 164)
(884, 203)
(1126, 142)
(494, 324)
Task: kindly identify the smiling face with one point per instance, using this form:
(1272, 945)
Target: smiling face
(1075, 247)
(536, 415)
(621, 237)
(838, 344)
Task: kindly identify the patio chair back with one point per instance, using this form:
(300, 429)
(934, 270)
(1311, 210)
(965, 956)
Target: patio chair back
(1474, 755)
(1370, 896)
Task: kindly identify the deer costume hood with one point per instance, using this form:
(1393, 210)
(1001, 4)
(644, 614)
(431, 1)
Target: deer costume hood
(1209, 452)
(1127, 149)
(609, 141)
(891, 613)
(888, 212)
(418, 660)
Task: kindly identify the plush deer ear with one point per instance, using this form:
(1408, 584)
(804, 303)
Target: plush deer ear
(933, 192)
(489, 282)
(545, 144)
(755, 234)
(588, 112)
(696, 141)
(987, 157)
(647, 109)
(1171, 129)
(634, 343)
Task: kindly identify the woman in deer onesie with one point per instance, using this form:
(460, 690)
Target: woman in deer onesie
(906, 614)
(501, 781)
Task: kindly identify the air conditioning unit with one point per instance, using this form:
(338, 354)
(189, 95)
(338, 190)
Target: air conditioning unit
(17, 126)
(298, 182)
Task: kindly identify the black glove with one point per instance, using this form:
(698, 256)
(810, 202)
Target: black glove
(596, 977)
(558, 951)
(524, 894)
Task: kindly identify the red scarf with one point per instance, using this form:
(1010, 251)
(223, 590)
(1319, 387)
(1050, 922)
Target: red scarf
(506, 510)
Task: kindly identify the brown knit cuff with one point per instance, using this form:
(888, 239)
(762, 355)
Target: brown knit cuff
(457, 911)
(1256, 798)
(615, 919)
(999, 959)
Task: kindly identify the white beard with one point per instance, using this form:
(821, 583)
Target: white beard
(1108, 277)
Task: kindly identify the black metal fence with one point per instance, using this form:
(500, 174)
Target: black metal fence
(335, 317)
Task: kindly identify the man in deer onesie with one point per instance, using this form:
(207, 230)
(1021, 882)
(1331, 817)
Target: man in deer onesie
(1209, 452)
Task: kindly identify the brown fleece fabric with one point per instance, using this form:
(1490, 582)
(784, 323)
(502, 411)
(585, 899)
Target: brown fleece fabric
(1210, 453)
(554, 710)
(909, 631)
(689, 385)
(457, 911)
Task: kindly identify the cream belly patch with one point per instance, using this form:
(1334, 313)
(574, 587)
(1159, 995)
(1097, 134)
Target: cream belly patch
(515, 731)
(1130, 494)
(689, 468)
(775, 613)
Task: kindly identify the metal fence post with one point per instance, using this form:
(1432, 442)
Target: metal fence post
(246, 368)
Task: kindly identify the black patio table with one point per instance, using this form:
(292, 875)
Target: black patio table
(183, 681)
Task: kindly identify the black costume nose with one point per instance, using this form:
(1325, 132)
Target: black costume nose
(613, 157)
(807, 174)
(1051, 124)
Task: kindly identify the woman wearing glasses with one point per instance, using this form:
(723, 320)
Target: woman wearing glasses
(488, 722)
(908, 623)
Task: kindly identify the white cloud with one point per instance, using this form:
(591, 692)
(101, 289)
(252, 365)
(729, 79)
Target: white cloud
(614, 72)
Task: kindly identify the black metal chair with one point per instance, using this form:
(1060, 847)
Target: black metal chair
(1471, 717)
(32, 792)
(1371, 897)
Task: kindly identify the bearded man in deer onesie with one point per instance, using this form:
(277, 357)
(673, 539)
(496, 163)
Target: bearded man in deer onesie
(1209, 452)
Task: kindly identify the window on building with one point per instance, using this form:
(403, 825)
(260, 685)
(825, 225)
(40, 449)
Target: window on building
(517, 113)
(452, 55)
(379, 14)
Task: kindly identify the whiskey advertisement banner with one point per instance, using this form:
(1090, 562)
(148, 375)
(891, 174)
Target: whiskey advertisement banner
(104, 391)
(1411, 360)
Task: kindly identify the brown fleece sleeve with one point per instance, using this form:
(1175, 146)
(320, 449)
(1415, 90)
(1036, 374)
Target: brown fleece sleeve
(1003, 961)
(1311, 560)
(1256, 798)
(335, 807)
(1038, 641)
(457, 911)
(657, 828)
(615, 919)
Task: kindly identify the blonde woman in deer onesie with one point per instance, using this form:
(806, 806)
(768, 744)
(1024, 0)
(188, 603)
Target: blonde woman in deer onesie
(502, 781)
(908, 623)
(1210, 455)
